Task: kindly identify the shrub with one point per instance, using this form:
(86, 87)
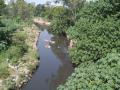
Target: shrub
(94, 40)
(14, 53)
(6, 29)
(9, 84)
(104, 74)
(97, 33)
(3, 45)
(62, 20)
(4, 72)
(19, 39)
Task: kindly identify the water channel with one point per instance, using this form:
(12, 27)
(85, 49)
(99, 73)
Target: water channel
(54, 67)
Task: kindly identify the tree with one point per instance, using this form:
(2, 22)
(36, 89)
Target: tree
(21, 8)
(48, 3)
(61, 20)
(73, 5)
(39, 10)
(30, 9)
(2, 6)
(11, 9)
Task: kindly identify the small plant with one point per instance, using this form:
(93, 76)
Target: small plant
(4, 72)
(9, 84)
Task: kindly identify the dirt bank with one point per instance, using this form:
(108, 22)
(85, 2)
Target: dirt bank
(21, 73)
(41, 21)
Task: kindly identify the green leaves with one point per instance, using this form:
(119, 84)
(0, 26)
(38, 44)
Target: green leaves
(39, 10)
(2, 6)
(94, 40)
(61, 21)
(3, 70)
(6, 31)
(12, 42)
(95, 76)
(97, 32)
(3, 45)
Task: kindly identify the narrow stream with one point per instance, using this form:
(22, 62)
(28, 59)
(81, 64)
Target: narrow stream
(54, 67)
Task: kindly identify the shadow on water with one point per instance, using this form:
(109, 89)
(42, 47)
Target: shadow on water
(54, 67)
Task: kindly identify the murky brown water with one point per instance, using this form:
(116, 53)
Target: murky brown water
(54, 67)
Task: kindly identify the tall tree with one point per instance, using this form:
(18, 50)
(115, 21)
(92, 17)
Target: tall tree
(11, 8)
(21, 6)
(73, 5)
(39, 10)
(30, 9)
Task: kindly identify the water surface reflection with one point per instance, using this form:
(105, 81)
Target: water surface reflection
(54, 66)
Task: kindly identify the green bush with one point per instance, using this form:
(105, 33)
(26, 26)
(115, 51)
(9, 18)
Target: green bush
(97, 33)
(3, 45)
(6, 30)
(102, 75)
(12, 42)
(9, 84)
(14, 53)
(18, 39)
(94, 40)
(4, 72)
(61, 21)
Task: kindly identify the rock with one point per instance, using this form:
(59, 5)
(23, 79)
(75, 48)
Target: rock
(1, 81)
(72, 43)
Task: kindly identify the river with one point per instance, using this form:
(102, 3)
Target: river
(54, 67)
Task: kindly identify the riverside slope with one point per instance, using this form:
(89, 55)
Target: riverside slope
(21, 73)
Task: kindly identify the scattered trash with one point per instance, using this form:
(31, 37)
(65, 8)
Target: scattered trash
(47, 40)
(47, 46)
(53, 42)
(50, 41)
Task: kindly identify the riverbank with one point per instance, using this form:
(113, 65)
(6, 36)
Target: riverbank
(54, 63)
(19, 74)
(41, 21)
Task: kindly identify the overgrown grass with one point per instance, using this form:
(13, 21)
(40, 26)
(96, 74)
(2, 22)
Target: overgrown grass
(17, 52)
(4, 72)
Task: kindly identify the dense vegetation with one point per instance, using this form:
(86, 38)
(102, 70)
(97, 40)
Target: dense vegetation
(102, 75)
(95, 28)
(10, 49)
(14, 48)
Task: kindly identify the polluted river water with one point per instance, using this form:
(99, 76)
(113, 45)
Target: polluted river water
(54, 67)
